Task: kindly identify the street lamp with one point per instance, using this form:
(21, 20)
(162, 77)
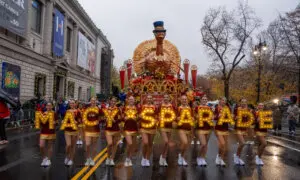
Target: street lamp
(276, 101)
(258, 49)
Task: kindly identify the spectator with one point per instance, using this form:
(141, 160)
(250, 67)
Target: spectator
(4, 116)
(122, 97)
(277, 117)
(62, 108)
(293, 112)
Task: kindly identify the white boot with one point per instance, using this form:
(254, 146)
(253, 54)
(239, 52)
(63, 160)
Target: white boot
(218, 160)
(203, 162)
(44, 161)
(241, 162)
(179, 160)
(161, 161)
(199, 162)
(236, 159)
(111, 163)
(184, 163)
(107, 161)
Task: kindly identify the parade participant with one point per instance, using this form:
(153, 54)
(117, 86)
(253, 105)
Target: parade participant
(251, 132)
(241, 132)
(112, 115)
(203, 130)
(91, 117)
(148, 119)
(166, 118)
(71, 133)
(184, 126)
(193, 135)
(80, 126)
(260, 135)
(4, 116)
(222, 130)
(47, 126)
(130, 117)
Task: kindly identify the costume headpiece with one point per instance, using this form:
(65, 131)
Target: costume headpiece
(159, 27)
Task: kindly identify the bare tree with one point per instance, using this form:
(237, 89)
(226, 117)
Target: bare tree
(275, 56)
(290, 25)
(225, 35)
(278, 52)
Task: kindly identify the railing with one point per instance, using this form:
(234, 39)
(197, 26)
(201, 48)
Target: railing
(21, 118)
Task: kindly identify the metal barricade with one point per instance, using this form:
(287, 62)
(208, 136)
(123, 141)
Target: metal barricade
(21, 118)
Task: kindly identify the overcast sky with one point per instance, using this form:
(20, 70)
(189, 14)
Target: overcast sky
(126, 23)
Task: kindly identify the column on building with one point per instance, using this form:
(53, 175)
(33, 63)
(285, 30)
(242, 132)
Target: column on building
(48, 27)
(74, 45)
(26, 40)
(65, 31)
(67, 55)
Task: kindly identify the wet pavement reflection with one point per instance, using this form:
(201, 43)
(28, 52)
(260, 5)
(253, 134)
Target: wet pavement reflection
(20, 160)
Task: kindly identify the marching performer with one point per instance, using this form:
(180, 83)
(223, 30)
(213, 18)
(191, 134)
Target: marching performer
(130, 117)
(167, 116)
(241, 132)
(185, 123)
(80, 125)
(91, 117)
(222, 114)
(148, 119)
(72, 117)
(261, 136)
(46, 122)
(203, 128)
(112, 115)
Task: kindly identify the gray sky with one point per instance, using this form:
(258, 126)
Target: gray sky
(126, 23)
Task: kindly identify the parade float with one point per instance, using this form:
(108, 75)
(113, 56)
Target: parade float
(155, 69)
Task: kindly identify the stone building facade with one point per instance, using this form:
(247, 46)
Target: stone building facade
(43, 74)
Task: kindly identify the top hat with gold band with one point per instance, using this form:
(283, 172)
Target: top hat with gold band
(159, 27)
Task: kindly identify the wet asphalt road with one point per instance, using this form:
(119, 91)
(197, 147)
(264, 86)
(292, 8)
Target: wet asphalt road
(20, 160)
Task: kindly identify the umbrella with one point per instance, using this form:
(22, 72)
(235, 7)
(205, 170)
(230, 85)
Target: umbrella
(4, 96)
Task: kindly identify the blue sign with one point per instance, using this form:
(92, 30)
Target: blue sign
(58, 33)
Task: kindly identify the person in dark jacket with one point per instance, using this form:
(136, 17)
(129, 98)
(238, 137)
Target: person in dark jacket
(277, 117)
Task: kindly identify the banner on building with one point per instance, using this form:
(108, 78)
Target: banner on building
(58, 33)
(14, 15)
(93, 93)
(86, 53)
(11, 79)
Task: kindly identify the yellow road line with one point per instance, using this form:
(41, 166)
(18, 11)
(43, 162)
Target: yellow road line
(93, 169)
(87, 167)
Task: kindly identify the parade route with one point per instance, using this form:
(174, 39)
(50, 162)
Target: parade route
(20, 159)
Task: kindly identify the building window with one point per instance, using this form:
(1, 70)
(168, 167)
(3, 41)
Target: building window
(39, 85)
(69, 35)
(71, 88)
(36, 14)
(88, 94)
(79, 93)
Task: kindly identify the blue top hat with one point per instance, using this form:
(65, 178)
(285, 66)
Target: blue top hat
(158, 23)
(159, 26)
